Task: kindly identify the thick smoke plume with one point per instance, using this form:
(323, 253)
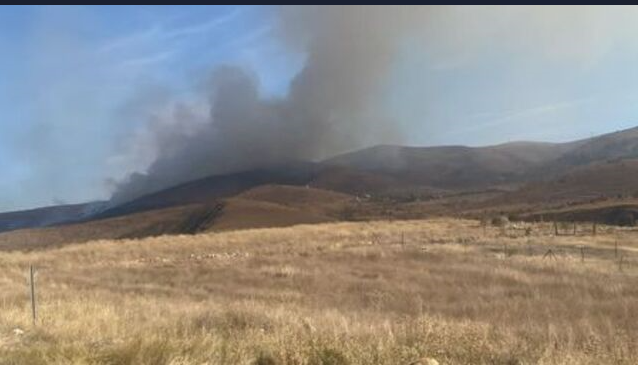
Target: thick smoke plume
(333, 104)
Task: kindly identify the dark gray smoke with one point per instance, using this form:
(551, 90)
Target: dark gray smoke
(334, 103)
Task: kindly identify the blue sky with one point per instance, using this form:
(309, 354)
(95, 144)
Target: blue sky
(71, 78)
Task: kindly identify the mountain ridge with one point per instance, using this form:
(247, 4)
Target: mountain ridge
(380, 170)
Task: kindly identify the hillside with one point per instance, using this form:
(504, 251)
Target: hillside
(297, 197)
(216, 187)
(264, 206)
(519, 176)
(281, 206)
(47, 216)
(460, 167)
(455, 167)
(595, 181)
(176, 220)
(608, 147)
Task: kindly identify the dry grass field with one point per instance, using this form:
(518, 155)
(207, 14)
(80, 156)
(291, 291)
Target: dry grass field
(332, 294)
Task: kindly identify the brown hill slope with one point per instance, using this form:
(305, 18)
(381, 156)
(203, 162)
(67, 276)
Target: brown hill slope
(296, 196)
(280, 206)
(581, 184)
(243, 214)
(265, 206)
(152, 223)
(408, 172)
(356, 182)
(216, 187)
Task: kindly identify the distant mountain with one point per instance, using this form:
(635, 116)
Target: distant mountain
(460, 167)
(456, 167)
(608, 147)
(48, 216)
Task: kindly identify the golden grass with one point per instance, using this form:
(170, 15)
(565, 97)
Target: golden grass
(338, 293)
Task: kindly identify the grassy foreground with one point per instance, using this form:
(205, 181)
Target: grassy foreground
(333, 294)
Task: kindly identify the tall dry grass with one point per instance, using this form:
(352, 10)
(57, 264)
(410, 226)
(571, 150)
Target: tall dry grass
(346, 293)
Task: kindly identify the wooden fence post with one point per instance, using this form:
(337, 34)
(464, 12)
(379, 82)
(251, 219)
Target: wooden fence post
(594, 229)
(32, 284)
(616, 249)
(555, 229)
(582, 253)
(549, 254)
(574, 228)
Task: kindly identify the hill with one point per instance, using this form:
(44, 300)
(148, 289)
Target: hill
(281, 206)
(455, 167)
(607, 147)
(176, 220)
(518, 176)
(468, 168)
(215, 187)
(264, 206)
(47, 216)
(595, 181)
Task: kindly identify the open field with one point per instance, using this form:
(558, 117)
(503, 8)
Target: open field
(335, 293)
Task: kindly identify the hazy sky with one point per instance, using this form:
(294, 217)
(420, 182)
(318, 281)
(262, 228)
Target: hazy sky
(77, 81)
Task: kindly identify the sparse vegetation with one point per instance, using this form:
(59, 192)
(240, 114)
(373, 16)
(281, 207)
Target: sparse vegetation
(332, 294)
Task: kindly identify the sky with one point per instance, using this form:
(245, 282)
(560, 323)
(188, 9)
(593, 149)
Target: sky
(77, 83)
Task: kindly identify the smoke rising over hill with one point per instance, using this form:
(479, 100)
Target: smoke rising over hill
(332, 104)
(335, 103)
